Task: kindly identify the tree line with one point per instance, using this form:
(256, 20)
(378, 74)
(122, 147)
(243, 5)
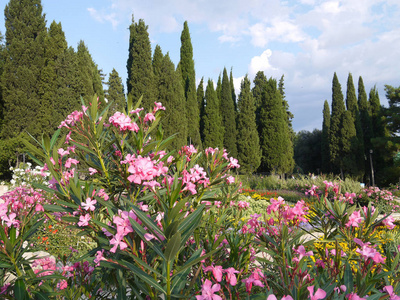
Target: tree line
(42, 80)
(359, 136)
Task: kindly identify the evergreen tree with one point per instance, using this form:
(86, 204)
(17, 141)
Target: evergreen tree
(115, 92)
(336, 123)
(233, 91)
(259, 82)
(349, 142)
(248, 144)
(228, 115)
(140, 81)
(358, 140)
(172, 96)
(157, 62)
(378, 127)
(366, 124)
(307, 151)
(25, 33)
(89, 80)
(219, 88)
(201, 100)
(275, 143)
(213, 129)
(325, 159)
(289, 115)
(2, 59)
(189, 84)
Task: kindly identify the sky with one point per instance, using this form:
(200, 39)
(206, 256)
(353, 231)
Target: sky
(305, 40)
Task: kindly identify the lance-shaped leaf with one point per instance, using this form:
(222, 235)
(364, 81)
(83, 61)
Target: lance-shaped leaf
(173, 246)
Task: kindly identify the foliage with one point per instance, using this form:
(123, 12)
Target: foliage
(325, 159)
(307, 151)
(248, 145)
(228, 115)
(115, 92)
(189, 85)
(9, 149)
(213, 129)
(140, 81)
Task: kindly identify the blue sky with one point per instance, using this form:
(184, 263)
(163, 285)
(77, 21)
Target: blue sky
(306, 40)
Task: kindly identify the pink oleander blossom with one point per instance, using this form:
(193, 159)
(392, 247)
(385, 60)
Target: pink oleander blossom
(123, 122)
(355, 219)
(301, 251)
(158, 106)
(392, 296)
(319, 294)
(92, 171)
(217, 272)
(388, 222)
(230, 276)
(208, 291)
(70, 161)
(89, 204)
(84, 220)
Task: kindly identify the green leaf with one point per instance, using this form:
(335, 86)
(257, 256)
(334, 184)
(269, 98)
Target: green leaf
(173, 246)
(20, 290)
(33, 149)
(54, 138)
(348, 278)
(147, 221)
(191, 262)
(171, 229)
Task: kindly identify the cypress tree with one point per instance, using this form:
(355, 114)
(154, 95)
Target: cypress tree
(140, 81)
(115, 92)
(358, 141)
(89, 80)
(289, 115)
(201, 100)
(25, 33)
(228, 116)
(365, 120)
(172, 96)
(325, 159)
(189, 84)
(2, 59)
(259, 82)
(336, 123)
(213, 129)
(157, 62)
(233, 91)
(276, 147)
(348, 144)
(249, 153)
(378, 127)
(219, 88)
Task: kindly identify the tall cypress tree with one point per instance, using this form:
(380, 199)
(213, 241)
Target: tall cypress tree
(248, 143)
(228, 115)
(25, 33)
(157, 62)
(2, 59)
(348, 144)
(189, 84)
(172, 96)
(259, 82)
(115, 92)
(289, 115)
(325, 159)
(358, 141)
(89, 80)
(218, 89)
(335, 139)
(365, 120)
(213, 129)
(378, 127)
(140, 81)
(233, 91)
(276, 147)
(201, 100)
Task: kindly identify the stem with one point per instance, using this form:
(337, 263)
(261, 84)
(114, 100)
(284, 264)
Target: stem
(168, 281)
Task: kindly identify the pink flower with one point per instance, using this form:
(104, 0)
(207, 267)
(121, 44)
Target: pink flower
(89, 204)
(230, 180)
(233, 163)
(319, 294)
(389, 222)
(354, 296)
(149, 117)
(208, 290)
(71, 161)
(158, 106)
(302, 253)
(62, 152)
(288, 297)
(217, 272)
(117, 241)
(230, 276)
(84, 220)
(252, 280)
(11, 221)
(389, 289)
(355, 219)
(92, 171)
(272, 297)
(62, 284)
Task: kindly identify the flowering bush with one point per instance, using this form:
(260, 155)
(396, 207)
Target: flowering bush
(380, 198)
(25, 175)
(172, 225)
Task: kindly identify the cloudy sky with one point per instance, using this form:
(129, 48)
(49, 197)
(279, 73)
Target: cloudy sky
(306, 40)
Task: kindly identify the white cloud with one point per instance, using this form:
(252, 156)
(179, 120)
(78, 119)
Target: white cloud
(104, 17)
(261, 63)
